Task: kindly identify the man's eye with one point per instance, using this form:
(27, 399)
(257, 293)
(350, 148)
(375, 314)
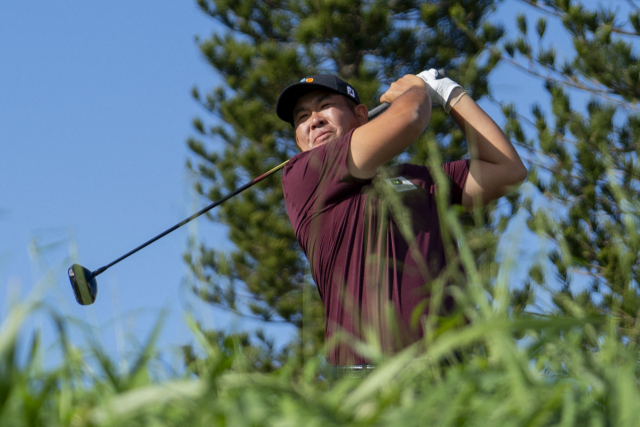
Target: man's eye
(323, 106)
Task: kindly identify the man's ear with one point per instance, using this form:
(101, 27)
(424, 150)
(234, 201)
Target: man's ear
(362, 114)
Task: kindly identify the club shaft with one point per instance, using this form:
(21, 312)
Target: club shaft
(191, 218)
(372, 115)
(378, 110)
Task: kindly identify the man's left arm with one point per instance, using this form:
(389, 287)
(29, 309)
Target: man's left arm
(495, 167)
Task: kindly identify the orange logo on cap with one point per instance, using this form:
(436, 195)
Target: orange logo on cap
(308, 80)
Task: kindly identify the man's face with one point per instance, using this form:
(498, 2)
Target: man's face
(320, 117)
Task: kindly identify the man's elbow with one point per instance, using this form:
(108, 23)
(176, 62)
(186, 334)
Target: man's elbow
(417, 119)
(519, 174)
(423, 116)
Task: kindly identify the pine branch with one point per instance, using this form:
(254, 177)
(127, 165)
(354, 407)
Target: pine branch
(573, 83)
(412, 15)
(208, 298)
(536, 151)
(554, 11)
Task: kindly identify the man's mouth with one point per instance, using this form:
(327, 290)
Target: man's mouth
(321, 138)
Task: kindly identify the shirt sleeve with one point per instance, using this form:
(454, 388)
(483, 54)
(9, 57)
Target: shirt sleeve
(315, 180)
(458, 172)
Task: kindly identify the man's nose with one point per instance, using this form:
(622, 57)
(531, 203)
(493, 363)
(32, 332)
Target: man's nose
(317, 120)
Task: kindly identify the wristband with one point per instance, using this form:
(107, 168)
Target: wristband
(452, 102)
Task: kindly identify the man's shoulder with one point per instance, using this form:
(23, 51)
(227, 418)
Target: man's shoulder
(296, 160)
(316, 155)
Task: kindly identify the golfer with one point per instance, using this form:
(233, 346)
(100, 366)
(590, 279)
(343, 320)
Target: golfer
(372, 278)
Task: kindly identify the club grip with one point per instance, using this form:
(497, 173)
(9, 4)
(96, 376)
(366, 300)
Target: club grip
(378, 110)
(383, 107)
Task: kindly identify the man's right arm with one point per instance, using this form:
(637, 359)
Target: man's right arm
(375, 143)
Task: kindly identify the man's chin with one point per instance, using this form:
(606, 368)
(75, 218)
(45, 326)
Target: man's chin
(322, 141)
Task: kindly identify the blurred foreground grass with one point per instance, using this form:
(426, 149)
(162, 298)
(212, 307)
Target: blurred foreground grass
(506, 367)
(563, 373)
(501, 369)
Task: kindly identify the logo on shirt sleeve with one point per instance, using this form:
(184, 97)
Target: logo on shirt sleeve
(401, 184)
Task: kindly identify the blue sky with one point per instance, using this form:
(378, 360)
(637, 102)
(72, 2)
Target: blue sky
(95, 109)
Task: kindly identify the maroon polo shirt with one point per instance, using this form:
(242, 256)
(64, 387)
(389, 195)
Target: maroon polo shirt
(372, 274)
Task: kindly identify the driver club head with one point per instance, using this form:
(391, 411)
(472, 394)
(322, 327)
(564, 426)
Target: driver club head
(84, 284)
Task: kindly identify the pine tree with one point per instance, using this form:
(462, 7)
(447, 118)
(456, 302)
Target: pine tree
(584, 153)
(267, 45)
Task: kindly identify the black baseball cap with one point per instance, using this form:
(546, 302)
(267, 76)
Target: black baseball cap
(289, 96)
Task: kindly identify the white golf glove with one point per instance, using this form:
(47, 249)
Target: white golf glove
(440, 89)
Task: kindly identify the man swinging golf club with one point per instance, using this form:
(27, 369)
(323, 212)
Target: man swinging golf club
(369, 274)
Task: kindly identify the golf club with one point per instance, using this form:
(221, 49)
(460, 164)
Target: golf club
(83, 281)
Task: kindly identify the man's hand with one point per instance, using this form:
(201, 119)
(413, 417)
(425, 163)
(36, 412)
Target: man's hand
(378, 141)
(440, 90)
(401, 86)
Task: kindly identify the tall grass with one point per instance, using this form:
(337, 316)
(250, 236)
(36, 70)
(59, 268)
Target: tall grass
(564, 373)
(500, 369)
